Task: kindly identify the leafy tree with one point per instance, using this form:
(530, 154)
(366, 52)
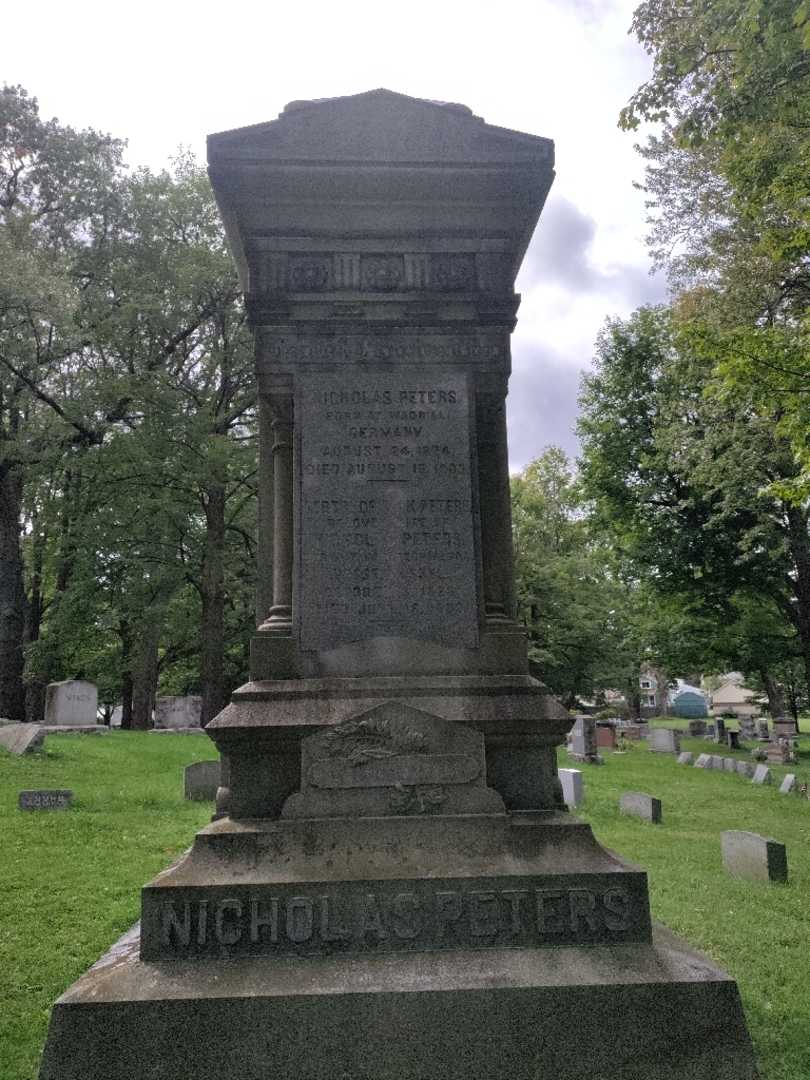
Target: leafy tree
(686, 483)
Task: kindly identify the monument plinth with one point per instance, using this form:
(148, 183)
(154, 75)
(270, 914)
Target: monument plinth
(392, 889)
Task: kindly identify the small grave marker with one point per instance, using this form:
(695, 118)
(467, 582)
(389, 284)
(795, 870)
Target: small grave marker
(201, 780)
(744, 768)
(753, 857)
(762, 775)
(729, 764)
(788, 784)
(637, 804)
(704, 761)
(685, 758)
(45, 799)
(573, 788)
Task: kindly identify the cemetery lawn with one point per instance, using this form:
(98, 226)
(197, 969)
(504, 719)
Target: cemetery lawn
(70, 881)
(759, 933)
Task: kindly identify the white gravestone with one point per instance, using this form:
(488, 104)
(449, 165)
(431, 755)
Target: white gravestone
(762, 775)
(72, 703)
(178, 712)
(573, 788)
(116, 716)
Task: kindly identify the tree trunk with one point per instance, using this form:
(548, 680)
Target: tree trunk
(800, 551)
(145, 671)
(12, 596)
(35, 685)
(126, 676)
(212, 587)
(776, 699)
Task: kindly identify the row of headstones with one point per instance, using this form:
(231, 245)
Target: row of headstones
(74, 703)
(200, 781)
(757, 774)
(745, 854)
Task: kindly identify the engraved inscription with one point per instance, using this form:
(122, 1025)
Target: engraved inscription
(397, 916)
(489, 350)
(386, 527)
(405, 769)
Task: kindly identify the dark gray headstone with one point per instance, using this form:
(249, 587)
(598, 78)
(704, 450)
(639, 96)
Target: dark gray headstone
(733, 740)
(637, 804)
(697, 729)
(21, 738)
(201, 780)
(756, 858)
(744, 768)
(45, 799)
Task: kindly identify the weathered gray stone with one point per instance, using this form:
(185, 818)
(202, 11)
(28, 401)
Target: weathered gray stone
(45, 799)
(756, 858)
(788, 784)
(730, 764)
(685, 758)
(733, 740)
(393, 759)
(73, 702)
(664, 741)
(404, 1016)
(582, 741)
(178, 712)
(704, 761)
(697, 729)
(637, 804)
(744, 768)
(75, 729)
(573, 787)
(393, 867)
(201, 780)
(21, 738)
(716, 761)
(762, 775)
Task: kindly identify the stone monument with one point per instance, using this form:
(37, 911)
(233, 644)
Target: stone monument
(73, 702)
(394, 890)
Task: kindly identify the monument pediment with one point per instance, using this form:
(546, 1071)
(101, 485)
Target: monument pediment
(379, 126)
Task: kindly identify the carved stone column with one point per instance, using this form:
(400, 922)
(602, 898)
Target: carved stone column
(264, 560)
(494, 501)
(279, 620)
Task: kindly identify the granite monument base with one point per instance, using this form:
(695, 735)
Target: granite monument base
(660, 1011)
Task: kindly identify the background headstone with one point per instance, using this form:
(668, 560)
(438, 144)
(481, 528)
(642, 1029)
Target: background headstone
(744, 768)
(178, 711)
(573, 788)
(764, 732)
(21, 738)
(753, 857)
(664, 741)
(685, 758)
(711, 731)
(748, 729)
(784, 728)
(697, 729)
(733, 740)
(72, 703)
(201, 780)
(637, 804)
(788, 784)
(762, 775)
(717, 761)
(704, 761)
(116, 716)
(606, 736)
(720, 729)
(582, 741)
(730, 764)
(45, 799)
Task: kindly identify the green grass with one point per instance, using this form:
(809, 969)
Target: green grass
(757, 932)
(70, 882)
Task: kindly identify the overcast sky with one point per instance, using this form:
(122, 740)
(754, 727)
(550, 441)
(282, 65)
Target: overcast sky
(166, 74)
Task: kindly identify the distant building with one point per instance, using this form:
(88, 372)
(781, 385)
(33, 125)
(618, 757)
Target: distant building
(731, 697)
